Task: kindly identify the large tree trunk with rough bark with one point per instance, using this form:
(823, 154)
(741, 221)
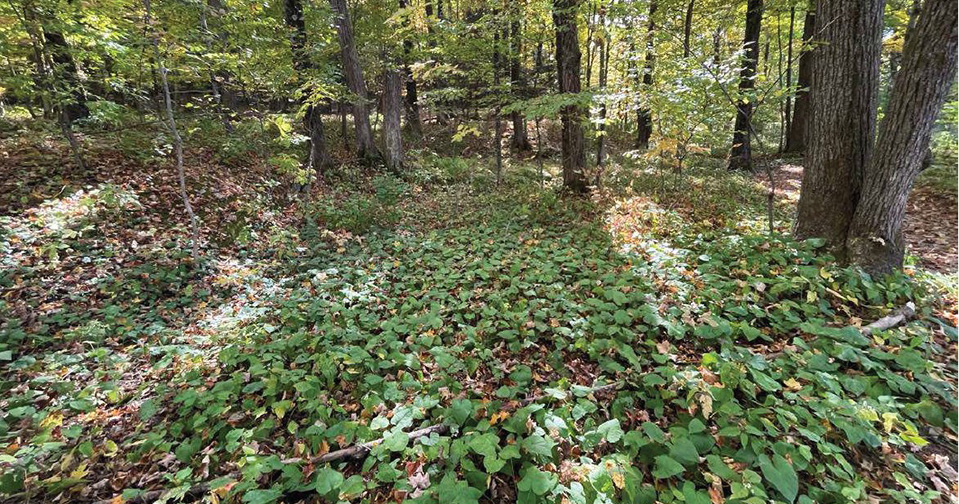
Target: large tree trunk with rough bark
(799, 125)
(688, 27)
(644, 119)
(568, 67)
(353, 73)
(740, 157)
(392, 134)
(843, 122)
(875, 239)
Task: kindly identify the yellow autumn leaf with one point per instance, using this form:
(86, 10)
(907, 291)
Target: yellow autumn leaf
(51, 421)
(79, 472)
(792, 384)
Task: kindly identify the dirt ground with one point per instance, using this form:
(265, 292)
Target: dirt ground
(931, 219)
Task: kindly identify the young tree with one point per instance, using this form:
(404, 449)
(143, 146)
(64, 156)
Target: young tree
(392, 107)
(318, 158)
(799, 123)
(216, 77)
(497, 115)
(567, 68)
(644, 118)
(353, 73)
(174, 132)
(788, 106)
(517, 83)
(687, 27)
(413, 120)
(604, 50)
(740, 157)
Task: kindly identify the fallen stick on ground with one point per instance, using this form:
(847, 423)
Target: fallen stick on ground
(898, 317)
(894, 319)
(356, 451)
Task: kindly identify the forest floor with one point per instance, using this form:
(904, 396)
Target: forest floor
(651, 344)
(931, 216)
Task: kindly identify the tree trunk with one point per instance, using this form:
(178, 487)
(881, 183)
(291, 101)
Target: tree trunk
(740, 157)
(717, 45)
(520, 140)
(568, 68)
(604, 47)
(65, 72)
(175, 133)
(787, 114)
(413, 120)
(799, 125)
(842, 126)
(392, 134)
(644, 119)
(217, 11)
(589, 43)
(687, 27)
(319, 157)
(497, 119)
(214, 75)
(875, 239)
(365, 147)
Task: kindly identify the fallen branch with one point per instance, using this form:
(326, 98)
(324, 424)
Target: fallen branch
(357, 451)
(896, 318)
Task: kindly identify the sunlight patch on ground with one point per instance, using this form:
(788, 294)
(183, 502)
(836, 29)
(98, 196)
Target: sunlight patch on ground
(40, 230)
(641, 228)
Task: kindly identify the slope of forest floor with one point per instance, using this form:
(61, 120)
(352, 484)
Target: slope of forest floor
(653, 344)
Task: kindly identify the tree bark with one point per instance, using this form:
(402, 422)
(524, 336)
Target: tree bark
(413, 121)
(875, 239)
(497, 118)
(787, 113)
(644, 119)
(520, 140)
(65, 71)
(604, 47)
(798, 126)
(842, 126)
(568, 67)
(353, 73)
(392, 134)
(740, 156)
(319, 157)
(687, 27)
(175, 133)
